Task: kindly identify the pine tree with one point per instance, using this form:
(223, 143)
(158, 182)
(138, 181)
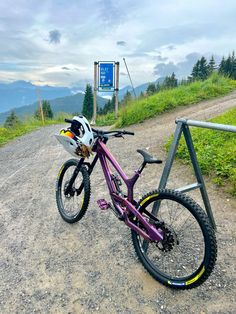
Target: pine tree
(151, 89)
(158, 87)
(196, 71)
(47, 111)
(211, 65)
(222, 66)
(126, 98)
(233, 70)
(108, 107)
(204, 71)
(12, 120)
(88, 102)
(228, 66)
(170, 81)
(200, 70)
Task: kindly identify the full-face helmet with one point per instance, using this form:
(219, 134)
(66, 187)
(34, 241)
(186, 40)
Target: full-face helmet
(78, 138)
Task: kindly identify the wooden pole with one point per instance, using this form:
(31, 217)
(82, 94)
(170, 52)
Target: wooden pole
(117, 89)
(95, 94)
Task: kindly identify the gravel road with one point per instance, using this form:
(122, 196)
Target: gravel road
(49, 266)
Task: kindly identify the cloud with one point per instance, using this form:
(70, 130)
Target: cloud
(160, 58)
(181, 69)
(54, 37)
(164, 69)
(171, 47)
(66, 68)
(121, 43)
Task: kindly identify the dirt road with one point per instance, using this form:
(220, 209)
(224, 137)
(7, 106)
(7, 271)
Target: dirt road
(48, 266)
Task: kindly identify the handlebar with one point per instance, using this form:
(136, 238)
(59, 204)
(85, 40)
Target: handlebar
(117, 133)
(68, 120)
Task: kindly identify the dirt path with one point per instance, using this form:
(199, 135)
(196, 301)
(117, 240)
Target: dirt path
(48, 266)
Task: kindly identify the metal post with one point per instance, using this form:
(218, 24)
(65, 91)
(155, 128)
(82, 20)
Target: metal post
(95, 94)
(117, 89)
(171, 156)
(198, 174)
(130, 78)
(169, 163)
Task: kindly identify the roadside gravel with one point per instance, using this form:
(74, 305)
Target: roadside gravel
(49, 266)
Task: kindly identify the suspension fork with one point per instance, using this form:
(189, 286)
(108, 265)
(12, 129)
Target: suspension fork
(76, 171)
(74, 175)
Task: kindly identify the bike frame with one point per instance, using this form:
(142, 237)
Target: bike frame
(124, 205)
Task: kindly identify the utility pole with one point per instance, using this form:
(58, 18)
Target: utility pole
(130, 78)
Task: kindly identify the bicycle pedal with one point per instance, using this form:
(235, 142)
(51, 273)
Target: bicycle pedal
(103, 204)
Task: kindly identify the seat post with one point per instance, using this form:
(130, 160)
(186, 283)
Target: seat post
(142, 167)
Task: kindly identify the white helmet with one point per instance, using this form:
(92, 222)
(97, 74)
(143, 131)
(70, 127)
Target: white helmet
(78, 138)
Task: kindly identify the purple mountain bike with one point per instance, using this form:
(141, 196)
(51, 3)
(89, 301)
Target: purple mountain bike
(175, 243)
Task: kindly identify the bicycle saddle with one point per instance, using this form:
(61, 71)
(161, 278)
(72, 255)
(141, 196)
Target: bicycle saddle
(148, 159)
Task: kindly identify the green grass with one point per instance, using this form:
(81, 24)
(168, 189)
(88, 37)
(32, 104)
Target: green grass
(216, 151)
(28, 125)
(141, 109)
(108, 119)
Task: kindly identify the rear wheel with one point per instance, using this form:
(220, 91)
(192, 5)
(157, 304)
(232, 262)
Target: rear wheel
(72, 204)
(186, 256)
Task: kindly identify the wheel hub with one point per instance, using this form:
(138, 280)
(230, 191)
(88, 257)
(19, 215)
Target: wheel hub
(70, 193)
(169, 239)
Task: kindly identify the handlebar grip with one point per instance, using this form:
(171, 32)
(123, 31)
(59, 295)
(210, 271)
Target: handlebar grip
(68, 120)
(128, 133)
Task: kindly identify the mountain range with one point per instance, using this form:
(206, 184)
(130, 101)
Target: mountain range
(21, 93)
(22, 97)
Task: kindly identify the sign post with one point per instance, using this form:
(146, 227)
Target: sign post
(95, 94)
(106, 79)
(117, 89)
(106, 76)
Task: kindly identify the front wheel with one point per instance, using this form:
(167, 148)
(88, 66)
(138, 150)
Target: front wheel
(186, 256)
(72, 204)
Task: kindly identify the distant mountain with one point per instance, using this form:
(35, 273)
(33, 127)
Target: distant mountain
(21, 93)
(70, 104)
(21, 96)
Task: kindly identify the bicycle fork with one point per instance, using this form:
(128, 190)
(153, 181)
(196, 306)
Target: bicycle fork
(72, 179)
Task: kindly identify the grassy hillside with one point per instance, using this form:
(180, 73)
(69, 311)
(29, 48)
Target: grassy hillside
(7, 134)
(216, 151)
(142, 109)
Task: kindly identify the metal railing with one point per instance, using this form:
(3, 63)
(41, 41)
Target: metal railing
(183, 127)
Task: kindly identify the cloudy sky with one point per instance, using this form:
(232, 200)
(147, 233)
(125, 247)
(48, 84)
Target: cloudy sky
(56, 42)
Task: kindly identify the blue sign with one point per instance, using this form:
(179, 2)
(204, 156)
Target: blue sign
(106, 76)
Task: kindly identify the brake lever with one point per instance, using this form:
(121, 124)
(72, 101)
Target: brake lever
(119, 135)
